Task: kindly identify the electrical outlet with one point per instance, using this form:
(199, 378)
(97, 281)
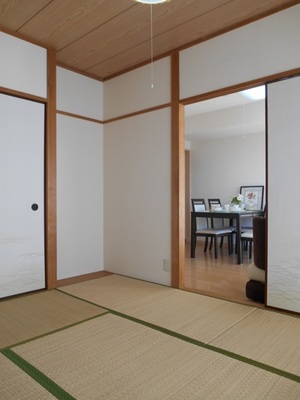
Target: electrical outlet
(166, 265)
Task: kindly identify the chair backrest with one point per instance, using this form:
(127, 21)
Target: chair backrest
(199, 205)
(216, 222)
(214, 202)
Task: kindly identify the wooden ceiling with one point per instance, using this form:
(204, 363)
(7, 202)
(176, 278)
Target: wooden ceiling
(104, 38)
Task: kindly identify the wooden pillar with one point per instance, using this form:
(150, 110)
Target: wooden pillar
(178, 186)
(50, 174)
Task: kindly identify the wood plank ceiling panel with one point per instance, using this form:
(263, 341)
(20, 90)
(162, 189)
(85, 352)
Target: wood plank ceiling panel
(104, 38)
(181, 36)
(206, 26)
(63, 22)
(14, 14)
(107, 40)
(131, 29)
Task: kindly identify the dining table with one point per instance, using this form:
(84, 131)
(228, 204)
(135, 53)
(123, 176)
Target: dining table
(232, 215)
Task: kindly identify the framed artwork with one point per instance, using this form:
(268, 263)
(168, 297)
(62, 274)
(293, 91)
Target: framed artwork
(253, 197)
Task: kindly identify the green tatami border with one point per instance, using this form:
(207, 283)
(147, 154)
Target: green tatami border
(235, 356)
(61, 394)
(53, 331)
(37, 375)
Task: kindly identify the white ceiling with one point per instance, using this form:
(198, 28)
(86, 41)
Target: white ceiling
(230, 115)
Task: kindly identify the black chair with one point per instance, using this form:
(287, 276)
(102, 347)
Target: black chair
(247, 240)
(219, 223)
(247, 237)
(203, 229)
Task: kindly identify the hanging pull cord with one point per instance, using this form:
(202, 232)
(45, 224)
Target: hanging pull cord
(151, 45)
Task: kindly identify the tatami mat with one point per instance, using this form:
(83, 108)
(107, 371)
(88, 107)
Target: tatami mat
(267, 337)
(16, 384)
(110, 357)
(199, 317)
(26, 317)
(114, 291)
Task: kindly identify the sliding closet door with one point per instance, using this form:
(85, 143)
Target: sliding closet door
(22, 265)
(283, 286)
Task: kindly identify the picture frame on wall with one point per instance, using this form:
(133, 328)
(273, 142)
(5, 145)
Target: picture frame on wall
(253, 197)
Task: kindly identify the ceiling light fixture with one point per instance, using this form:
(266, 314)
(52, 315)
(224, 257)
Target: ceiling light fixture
(151, 1)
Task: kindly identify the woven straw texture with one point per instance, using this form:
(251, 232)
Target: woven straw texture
(267, 337)
(33, 315)
(199, 317)
(262, 335)
(110, 357)
(15, 384)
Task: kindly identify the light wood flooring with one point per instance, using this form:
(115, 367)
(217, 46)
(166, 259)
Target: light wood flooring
(221, 277)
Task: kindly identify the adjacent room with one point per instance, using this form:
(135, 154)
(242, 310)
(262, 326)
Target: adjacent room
(225, 146)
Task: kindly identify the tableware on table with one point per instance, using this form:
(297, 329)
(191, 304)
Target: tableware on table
(226, 207)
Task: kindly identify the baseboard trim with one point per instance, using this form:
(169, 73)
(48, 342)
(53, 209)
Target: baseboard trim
(82, 278)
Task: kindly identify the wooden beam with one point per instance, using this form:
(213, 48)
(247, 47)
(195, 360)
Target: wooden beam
(178, 188)
(50, 175)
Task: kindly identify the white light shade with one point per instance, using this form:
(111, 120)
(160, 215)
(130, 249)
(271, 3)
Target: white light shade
(151, 1)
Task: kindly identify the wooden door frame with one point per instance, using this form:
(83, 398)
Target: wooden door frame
(178, 157)
(178, 190)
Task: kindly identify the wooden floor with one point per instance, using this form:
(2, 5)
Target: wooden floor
(221, 277)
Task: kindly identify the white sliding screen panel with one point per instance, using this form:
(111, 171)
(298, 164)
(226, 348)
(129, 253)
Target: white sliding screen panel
(283, 285)
(22, 264)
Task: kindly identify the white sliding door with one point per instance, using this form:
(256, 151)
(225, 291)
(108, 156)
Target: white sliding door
(283, 286)
(22, 265)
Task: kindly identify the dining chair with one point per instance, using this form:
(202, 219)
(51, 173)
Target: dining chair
(247, 241)
(214, 202)
(204, 229)
(219, 222)
(247, 236)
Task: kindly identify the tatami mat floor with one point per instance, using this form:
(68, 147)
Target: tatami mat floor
(122, 338)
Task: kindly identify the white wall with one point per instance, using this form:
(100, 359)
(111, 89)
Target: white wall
(79, 94)
(137, 174)
(132, 92)
(23, 66)
(137, 196)
(220, 166)
(79, 176)
(265, 47)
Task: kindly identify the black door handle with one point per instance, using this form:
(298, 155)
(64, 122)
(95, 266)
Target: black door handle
(34, 206)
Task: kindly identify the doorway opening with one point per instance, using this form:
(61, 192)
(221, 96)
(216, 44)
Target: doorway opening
(225, 144)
